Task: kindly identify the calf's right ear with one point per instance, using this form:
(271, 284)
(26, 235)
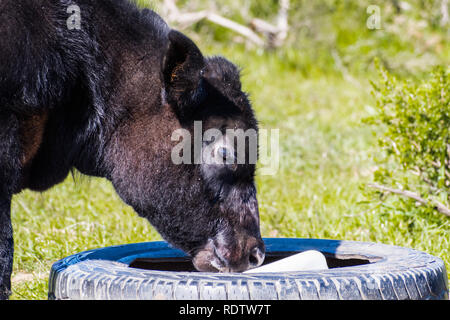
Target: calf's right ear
(182, 73)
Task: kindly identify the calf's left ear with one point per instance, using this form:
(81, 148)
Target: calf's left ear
(182, 73)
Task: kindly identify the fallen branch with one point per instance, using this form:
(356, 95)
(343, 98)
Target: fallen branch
(444, 13)
(340, 66)
(236, 27)
(412, 195)
(275, 35)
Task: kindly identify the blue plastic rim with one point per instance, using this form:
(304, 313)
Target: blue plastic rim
(161, 249)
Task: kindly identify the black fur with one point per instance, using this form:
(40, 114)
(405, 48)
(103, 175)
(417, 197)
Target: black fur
(104, 100)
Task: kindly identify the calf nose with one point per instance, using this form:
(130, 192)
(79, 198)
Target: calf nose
(256, 257)
(244, 255)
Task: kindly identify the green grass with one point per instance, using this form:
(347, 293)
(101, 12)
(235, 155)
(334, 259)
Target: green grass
(318, 192)
(72, 217)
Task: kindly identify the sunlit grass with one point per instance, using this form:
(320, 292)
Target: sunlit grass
(72, 217)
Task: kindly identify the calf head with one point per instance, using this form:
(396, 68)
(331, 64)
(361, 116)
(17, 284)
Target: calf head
(206, 208)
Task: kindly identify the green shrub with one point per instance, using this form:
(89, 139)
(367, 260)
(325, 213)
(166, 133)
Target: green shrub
(414, 162)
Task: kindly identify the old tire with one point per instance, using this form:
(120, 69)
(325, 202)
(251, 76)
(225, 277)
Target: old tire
(394, 273)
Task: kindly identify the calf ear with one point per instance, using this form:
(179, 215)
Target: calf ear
(182, 73)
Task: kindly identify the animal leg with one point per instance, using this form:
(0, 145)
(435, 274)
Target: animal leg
(9, 177)
(6, 248)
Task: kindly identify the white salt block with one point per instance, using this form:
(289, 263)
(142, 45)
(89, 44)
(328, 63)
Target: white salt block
(304, 261)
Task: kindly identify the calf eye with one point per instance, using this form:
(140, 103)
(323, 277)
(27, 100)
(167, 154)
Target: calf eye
(226, 154)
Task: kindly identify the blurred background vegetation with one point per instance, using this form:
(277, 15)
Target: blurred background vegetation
(317, 89)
